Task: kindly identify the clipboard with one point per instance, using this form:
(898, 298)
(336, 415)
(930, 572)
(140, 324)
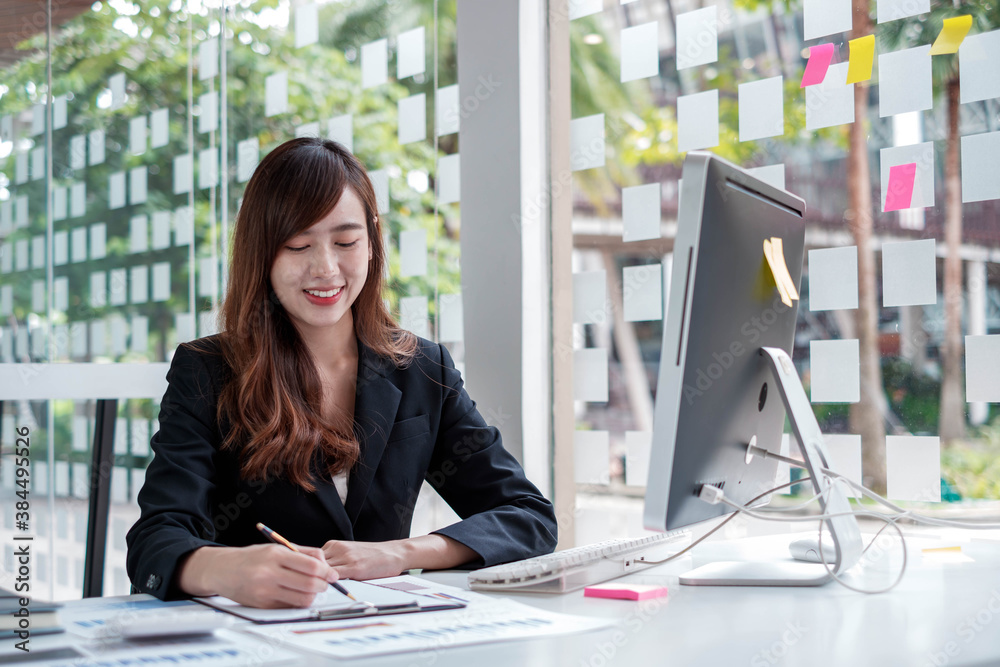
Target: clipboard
(331, 605)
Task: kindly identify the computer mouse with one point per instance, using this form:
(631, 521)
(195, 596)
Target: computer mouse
(808, 550)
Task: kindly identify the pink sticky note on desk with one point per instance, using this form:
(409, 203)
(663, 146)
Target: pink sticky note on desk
(625, 591)
(819, 62)
(899, 192)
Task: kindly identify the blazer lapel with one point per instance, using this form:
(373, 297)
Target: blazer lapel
(375, 404)
(326, 494)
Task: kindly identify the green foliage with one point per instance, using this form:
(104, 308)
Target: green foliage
(973, 467)
(914, 396)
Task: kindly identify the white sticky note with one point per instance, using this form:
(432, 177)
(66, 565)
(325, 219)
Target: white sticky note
(844, 456)
(446, 110)
(306, 25)
(892, 10)
(638, 445)
(79, 245)
(247, 158)
(835, 371)
(208, 168)
(60, 249)
(642, 292)
(78, 199)
(140, 334)
(449, 179)
(137, 135)
(159, 128)
(590, 375)
(98, 289)
(59, 112)
(38, 163)
(37, 119)
(380, 183)
(137, 180)
(139, 234)
(139, 280)
(980, 166)
(580, 8)
(698, 121)
(206, 276)
(208, 58)
(59, 203)
(184, 327)
(118, 287)
(116, 190)
(450, 318)
(161, 230)
(979, 75)
(833, 278)
(161, 281)
(831, 102)
(21, 168)
(590, 297)
(640, 52)
(208, 112)
(183, 226)
(904, 81)
(410, 58)
(98, 338)
(982, 369)
(413, 314)
(762, 110)
(38, 252)
(825, 17)
(307, 130)
(374, 63)
(413, 253)
(586, 142)
(96, 147)
(78, 152)
(208, 323)
(98, 239)
(772, 174)
(923, 182)
(412, 118)
(183, 174)
(60, 293)
(909, 273)
(117, 85)
(591, 457)
(341, 130)
(913, 468)
(276, 94)
(78, 339)
(38, 296)
(23, 256)
(641, 212)
(697, 37)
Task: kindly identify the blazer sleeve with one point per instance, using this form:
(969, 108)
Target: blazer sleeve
(175, 498)
(504, 516)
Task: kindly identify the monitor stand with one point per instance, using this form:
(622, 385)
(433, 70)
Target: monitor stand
(844, 530)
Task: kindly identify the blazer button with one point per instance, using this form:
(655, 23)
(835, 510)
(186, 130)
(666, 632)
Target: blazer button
(153, 582)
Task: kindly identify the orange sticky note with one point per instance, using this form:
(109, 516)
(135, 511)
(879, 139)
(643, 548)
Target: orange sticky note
(861, 60)
(625, 591)
(952, 34)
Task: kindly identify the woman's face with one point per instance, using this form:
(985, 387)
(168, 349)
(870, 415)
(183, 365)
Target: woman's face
(318, 274)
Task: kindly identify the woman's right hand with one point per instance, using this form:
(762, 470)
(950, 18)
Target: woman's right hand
(267, 576)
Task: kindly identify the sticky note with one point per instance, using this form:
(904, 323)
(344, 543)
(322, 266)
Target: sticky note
(913, 468)
(184, 327)
(982, 369)
(591, 457)
(78, 200)
(580, 8)
(380, 184)
(208, 58)
(138, 179)
(625, 591)
(641, 212)
(208, 112)
(642, 292)
(59, 112)
(922, 155)
(905, 81)
(306, 25)
(413, 315)
(772, 174)
(79, 245)
(410, 56)
(775, 256)
(38, 252)
(137, 135)
(446, 112)
(139, 280)
(834, 371)
(586, 142)
(59, 203)
(892, 10)
(909, 273)
(140, 334)
(161, 230)
(374, 63)
(953, 32)
(247, 157)
(862, 59)
(23, 258)
(640, 52)
(276, 94)
(844, 456)
(116, 190)
(820, 57)
(98, 289)
(60, 242)
(698, 121)
(899, 192)
(979, 76)
(161, 281)
(449, 180)
(208, 168)
(183, 226)
(638, 445)
(78, 152)
(412, 118)
(159, 128)
(98, 238)
(980, 166)
(590, 297)
(413, 253)
(37, 163)
(697, 37)
(117, 85)
(590, 375)
(37, 119)
(138, 234)
(450, 318)
(761, 109)
(341, 130)
(183, 174)
(825, 17)
(833, 278)
(96, 146)
(118, 287)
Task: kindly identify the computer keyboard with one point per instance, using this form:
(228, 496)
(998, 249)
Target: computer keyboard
(575, 568)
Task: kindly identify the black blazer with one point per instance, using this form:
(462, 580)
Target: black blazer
(413, 424)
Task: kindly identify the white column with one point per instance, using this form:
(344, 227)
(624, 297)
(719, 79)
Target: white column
(976, 285)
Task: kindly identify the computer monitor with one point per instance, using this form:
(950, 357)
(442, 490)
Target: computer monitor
(726, 380)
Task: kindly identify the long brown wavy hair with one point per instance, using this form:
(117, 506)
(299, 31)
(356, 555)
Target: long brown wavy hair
(272, 400)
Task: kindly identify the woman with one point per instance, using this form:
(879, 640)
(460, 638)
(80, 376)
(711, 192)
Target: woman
(315, 414)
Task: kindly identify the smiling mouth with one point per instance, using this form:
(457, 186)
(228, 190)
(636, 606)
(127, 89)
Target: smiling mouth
(324, 294)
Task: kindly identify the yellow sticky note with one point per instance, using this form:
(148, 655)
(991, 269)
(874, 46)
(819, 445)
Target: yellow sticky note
(952, 34)
(936, 550)
(861, 59)
(776, 272)
(779, 257)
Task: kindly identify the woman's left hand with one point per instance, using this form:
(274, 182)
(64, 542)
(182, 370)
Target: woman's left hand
(365, 560)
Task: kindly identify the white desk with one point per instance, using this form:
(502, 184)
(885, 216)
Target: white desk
(938, 607)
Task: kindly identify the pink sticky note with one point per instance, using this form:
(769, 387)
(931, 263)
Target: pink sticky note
(819, 62)
(899, 192)
(625, 591)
